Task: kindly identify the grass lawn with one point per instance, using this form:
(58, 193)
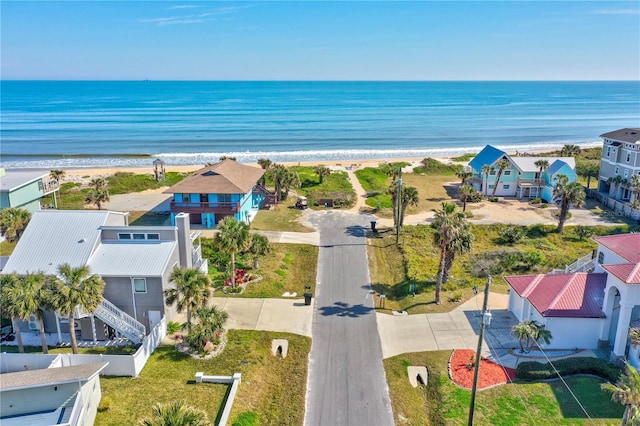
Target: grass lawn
(335, 186)
(442, 402)
(272, 389)
(282, 217)
(394, 268)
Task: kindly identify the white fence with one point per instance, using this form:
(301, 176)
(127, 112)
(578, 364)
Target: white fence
(119, 365)
(619, 207)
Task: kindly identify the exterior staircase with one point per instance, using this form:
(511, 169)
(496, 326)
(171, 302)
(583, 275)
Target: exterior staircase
(119, 320)
(269, 197)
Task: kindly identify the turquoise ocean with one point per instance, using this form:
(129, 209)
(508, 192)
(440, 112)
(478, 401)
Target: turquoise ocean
(63, 124)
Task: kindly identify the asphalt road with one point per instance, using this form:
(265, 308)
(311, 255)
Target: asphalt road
(347, 384)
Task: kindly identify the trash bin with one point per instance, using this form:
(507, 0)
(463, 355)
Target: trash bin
(307, 298)
(373, 225)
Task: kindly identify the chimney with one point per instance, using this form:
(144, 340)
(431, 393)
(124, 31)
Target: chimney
(185, 247)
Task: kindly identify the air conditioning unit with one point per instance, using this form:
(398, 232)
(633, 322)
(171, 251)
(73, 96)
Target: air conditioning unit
(33, 323)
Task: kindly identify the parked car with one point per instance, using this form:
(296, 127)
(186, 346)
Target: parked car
(302, 203)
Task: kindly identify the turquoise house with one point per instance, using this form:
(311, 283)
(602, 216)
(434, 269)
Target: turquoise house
(523, 178)
(24, 189)
(218, 191)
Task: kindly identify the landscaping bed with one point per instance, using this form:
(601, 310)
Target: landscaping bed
(462, 370)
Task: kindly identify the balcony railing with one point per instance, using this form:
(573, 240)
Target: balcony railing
(49, 185)
(206, 207)
(531, 182)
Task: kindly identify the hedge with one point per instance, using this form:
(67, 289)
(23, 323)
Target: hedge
(568, 366)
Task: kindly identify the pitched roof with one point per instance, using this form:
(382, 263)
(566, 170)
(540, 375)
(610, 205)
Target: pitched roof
(527, 164)
(627, 272)
(559, 164)
(148, 258)
(629, 135)
(487, 156)
(577, 295)
(626, 246)
(225, 177)
(54, 237)
(50, 376)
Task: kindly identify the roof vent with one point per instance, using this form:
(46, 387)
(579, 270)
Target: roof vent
(82, 240)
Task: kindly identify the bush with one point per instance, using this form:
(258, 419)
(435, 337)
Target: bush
(544, 205)
(173, 327)
(456, 297)
(584, 232)
(105, 404)
(512, 234)
(475, 197)
(568, 366)
(493, 199)
(248, 418)
(536, 201)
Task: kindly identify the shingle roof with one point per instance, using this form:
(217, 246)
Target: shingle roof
(578, 295)
(15, 179)
(487, 156)
(146, 258)
(54, 237)
(50, 376)
(626, 246)
(629, 135)
(627, 272)
(225, 177)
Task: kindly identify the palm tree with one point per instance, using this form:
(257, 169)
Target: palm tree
(210, 325)
(176, 414)
(566, 194)
(449, 224)
(8, 308)
(76, 287)
(266, 164)
(28, 295)
(393, 192)
(232, 237)
(259, 247)
(627, 392)
(97, 197)
(502, 166)
(191, 291)
(531, 332)
(570, 150)
(13, 221)
(634, 185)
(291, 180)
(486, 169)
(409, 198)
(57, 175)
(462, 244)
(278, 173)
(588, 169)
(463, 175)
(464, 193)
(542, 165)
(322, 171)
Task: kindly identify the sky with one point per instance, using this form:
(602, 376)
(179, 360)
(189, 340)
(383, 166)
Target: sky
(323, 40)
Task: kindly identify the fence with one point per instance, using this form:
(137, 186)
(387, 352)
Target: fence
(617, 206)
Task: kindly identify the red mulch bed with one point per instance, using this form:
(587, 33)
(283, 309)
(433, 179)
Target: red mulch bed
(491, 374)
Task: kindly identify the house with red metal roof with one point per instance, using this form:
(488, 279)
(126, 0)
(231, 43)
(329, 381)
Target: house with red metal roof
(587, 310)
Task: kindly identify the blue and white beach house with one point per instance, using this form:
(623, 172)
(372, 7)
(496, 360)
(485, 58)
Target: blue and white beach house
(522, 178)
(218, 191)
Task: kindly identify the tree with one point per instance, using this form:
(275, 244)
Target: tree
(531, 332)
(98, 193)
(190, 292)
(57, 175)
(28, 295)
(450, 224)
(502, 166)
(634, 335)
(13, 222)
(566, 194)
(392, 170)
(616, 181)
(542, 165)
(278, 174)
(588, 169)
(627, 392)
(322, 171)
(76, 287)
(176, 414)
(463, 175)
(210, 325)
(634, 185)
(570, 150)
(266, 164)
(486, 169)
(460, 245)
(291, 180)
(8, 308)
(258, 248)
(232, 237)
(409, 198)
(464, 193)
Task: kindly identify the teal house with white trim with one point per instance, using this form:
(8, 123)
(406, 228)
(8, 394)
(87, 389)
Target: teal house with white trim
(24, 189)
(220, 190)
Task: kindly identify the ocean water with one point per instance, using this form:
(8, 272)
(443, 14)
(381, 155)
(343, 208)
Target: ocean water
(56, 124)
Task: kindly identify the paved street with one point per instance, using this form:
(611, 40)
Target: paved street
(347, 384)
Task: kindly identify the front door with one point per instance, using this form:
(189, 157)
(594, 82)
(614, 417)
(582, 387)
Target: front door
(154, 319)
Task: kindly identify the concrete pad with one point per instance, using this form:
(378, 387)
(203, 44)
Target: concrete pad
(403, 334)
(413, 373)
(441, 322)
(291, 316)
(283, 344)
(460, 320)
(243, 313)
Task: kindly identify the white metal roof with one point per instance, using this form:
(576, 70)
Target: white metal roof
(144, 258)
(54, 237)
(527, 164)
(15, 179)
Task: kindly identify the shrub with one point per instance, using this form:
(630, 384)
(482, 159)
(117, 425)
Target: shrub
(490, 263)
(105, 404)
(536, 201)
(584, 232)
(512, 234)
(456, 297)
(173, 327)
(248, 418)
(568, 366)
(544, 205)
(475, 197)
(532, 258)
(493, 199)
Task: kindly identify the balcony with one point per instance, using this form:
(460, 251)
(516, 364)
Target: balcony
(531, 182)
(49, 185)
(215, 207)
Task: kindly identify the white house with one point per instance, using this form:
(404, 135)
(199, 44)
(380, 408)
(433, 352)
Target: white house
(587, 310)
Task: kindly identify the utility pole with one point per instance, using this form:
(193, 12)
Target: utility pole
(486, 319)
(399, 203)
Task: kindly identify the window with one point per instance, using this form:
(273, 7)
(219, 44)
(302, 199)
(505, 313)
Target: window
(608, 151)
(617, 171)
(140, 285)
(505, 186)
(507, 172)
(601, 258)
(124, 236)
(185, 197)
(490, 186)
(492, 172)
(153, 236)
(628, 157)
(138, 236)
(224, 198)
(626, 173)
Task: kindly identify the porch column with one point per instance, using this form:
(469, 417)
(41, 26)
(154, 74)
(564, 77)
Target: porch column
(624, 321)
(93, 328)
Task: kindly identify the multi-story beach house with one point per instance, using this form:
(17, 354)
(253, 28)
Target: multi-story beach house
(591, 306)
(620, 160)
(134, 261)
(218, 191)
(522, 178)
(24, 189)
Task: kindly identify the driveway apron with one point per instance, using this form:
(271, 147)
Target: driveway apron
(347, 384)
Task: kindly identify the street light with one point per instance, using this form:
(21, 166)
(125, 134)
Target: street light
(399, 203)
